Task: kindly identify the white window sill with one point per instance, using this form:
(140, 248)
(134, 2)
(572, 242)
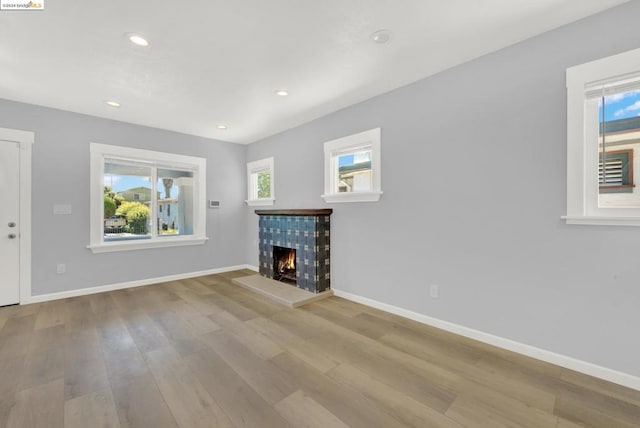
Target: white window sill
(602, 221)
(143, 244)
(352, 197)
(260, 202)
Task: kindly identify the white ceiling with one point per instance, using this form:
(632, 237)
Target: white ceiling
(216, 62)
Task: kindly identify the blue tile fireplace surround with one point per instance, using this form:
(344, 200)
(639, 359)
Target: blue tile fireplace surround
(307, 232)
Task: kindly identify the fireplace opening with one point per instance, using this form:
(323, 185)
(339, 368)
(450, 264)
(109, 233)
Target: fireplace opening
(284, 265)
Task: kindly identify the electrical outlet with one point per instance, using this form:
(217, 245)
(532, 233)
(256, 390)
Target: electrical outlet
(61, 268)
(434, 291)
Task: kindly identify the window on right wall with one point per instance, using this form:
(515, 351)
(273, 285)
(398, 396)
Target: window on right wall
(603, 141)
(352, 168)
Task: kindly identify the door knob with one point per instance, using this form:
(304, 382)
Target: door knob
(12, 236)
(12, 224)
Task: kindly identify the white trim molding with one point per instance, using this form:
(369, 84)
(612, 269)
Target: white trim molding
(602, 221)
(352, 197)
(587, 368)
(143, 244)
(130, 284)
(260, 202)
(25, 139)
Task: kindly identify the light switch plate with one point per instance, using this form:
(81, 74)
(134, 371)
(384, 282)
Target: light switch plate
(62, 209)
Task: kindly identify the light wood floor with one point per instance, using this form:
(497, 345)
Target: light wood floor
(204, 353)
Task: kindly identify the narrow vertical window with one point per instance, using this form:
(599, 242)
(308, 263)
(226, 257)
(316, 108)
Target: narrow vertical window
(175, 192)
(618, 140)
(127, 199)
(260, 182)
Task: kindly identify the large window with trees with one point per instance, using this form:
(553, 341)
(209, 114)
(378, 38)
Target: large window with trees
(143, 199)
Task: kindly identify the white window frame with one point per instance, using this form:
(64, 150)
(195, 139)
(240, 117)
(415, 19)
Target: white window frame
(367, 140)
(100, 152)
(253, 169)
(582, 156)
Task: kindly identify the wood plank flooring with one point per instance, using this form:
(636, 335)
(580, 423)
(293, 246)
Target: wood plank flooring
(204, 352)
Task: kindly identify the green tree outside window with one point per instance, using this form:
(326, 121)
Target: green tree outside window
(264, 184)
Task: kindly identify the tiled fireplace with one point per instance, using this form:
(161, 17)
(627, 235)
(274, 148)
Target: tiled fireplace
(295, 247)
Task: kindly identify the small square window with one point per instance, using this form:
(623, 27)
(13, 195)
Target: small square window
(352, 168)
(260, 180)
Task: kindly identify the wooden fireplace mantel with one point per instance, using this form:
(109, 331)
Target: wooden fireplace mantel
(309, 212)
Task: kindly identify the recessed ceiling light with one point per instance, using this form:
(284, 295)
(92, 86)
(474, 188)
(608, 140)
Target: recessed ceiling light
(282, 93)
(137, 39)
(222, 127)
(113, 104)
(381, 36)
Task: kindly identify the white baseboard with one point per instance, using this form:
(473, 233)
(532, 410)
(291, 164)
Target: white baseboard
(590, 369)
(253, 268)
(112, 287)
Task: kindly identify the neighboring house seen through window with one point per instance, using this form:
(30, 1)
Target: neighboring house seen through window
(352, 168)
(615, 171)
(603, 139)
(129, 189)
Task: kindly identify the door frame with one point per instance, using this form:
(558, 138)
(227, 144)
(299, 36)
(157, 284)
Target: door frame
(25, 140)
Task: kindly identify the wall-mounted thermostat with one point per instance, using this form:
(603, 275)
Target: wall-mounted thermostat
(214, 204)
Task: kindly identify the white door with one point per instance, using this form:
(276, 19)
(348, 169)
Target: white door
(9, 227)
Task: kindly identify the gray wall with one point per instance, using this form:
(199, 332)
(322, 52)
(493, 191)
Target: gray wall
(474, 164)
(61, 175)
